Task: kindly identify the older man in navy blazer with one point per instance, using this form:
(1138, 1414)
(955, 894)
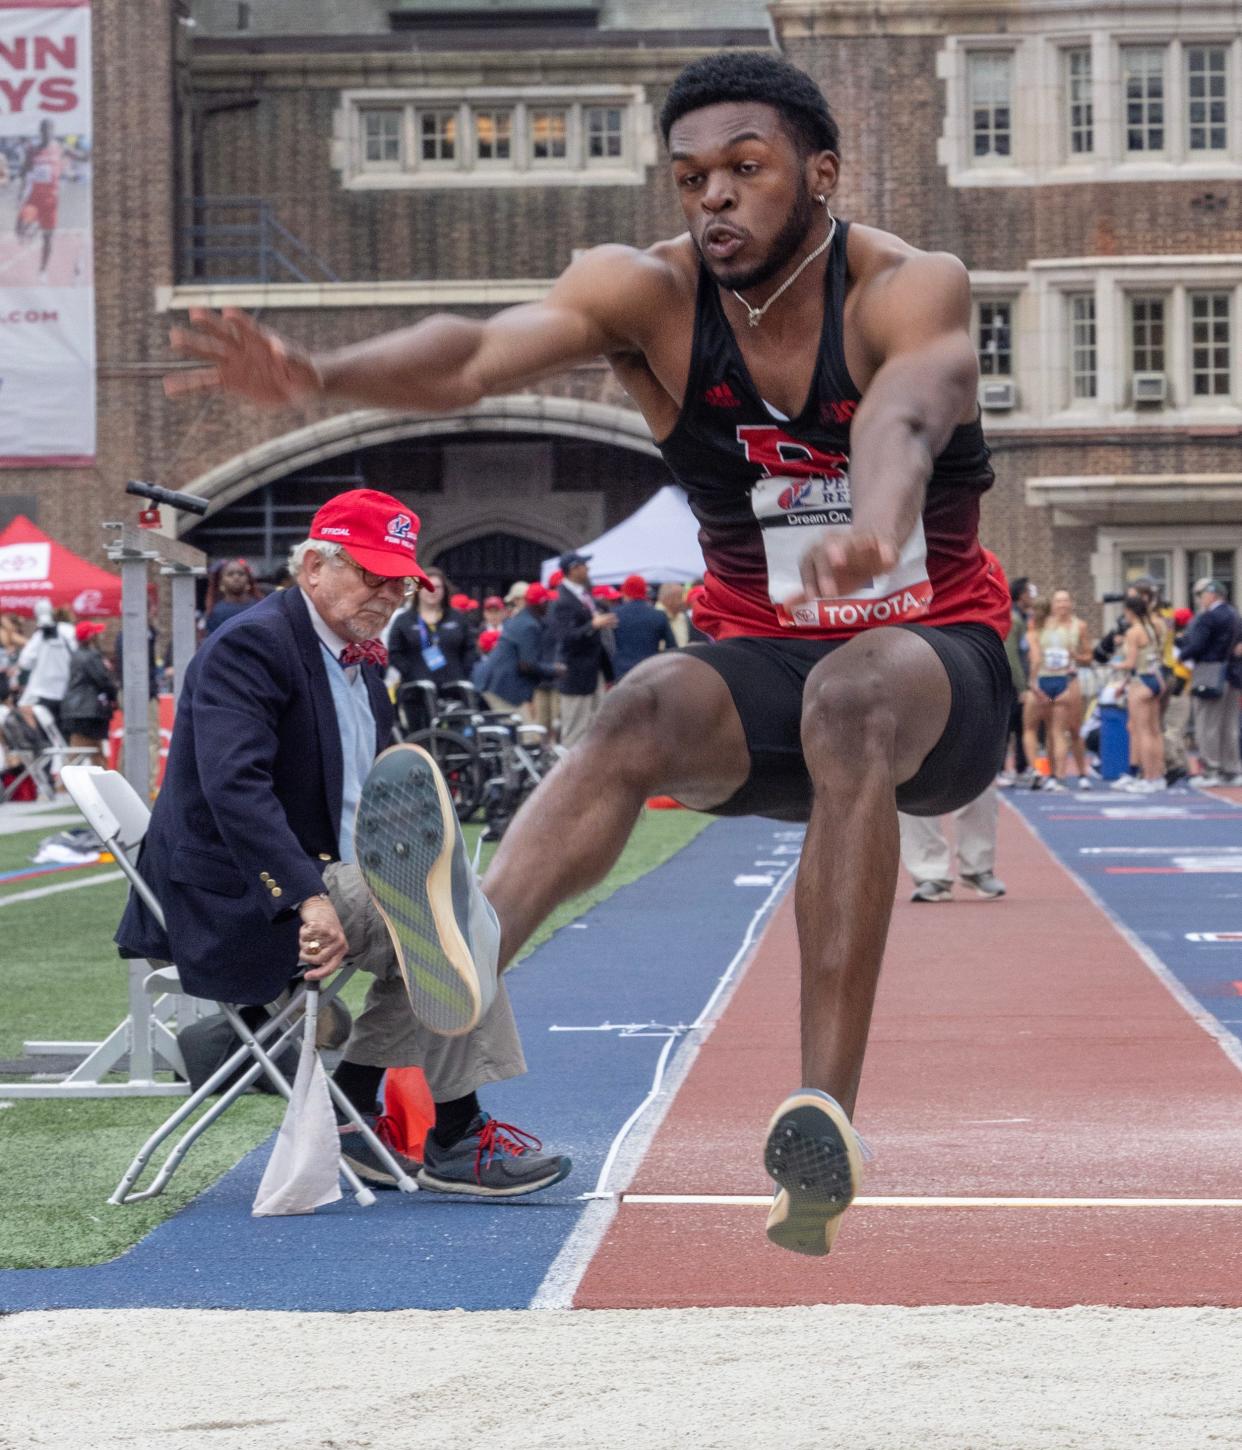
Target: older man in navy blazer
(250, 849)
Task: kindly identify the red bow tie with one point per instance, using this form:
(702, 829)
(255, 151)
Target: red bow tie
(369, 652)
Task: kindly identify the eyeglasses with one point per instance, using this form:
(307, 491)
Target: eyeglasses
(408, 584)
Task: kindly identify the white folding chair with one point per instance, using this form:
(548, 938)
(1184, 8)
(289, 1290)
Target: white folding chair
(119, 816)
(27, 755)
(59, 751)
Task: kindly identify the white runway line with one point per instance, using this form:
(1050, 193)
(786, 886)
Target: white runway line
(628, 1147)
(763, 1200)
(60, 886)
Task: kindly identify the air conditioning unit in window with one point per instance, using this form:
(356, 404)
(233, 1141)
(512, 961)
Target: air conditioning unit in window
(997, 397)
(1150, 388)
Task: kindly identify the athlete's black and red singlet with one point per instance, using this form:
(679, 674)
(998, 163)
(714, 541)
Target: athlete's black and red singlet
(763, 488)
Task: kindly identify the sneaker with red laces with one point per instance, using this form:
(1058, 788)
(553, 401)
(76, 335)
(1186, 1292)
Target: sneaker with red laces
(492, 1160)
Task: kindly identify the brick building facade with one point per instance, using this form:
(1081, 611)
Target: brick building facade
(368, 162)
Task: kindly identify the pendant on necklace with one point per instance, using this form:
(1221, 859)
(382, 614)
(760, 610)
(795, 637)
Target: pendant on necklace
(754, 318)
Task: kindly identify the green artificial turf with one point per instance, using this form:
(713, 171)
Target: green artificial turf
(61, 979)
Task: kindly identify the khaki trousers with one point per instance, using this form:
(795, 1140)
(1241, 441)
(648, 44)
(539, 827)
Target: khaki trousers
(1216, 733)
(1176, 728)
(386, 1032)
(577, 713)
(925, 847)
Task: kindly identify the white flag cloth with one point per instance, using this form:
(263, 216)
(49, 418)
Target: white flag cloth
(305, 1167)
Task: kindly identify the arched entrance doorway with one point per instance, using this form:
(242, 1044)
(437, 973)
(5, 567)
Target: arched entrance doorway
(498, 488)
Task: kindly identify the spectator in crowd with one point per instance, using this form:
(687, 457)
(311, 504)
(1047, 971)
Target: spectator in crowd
(1022, 595)
(250, 848)
(516, 597)
(43, 664)
(583, 636)
(12, 642)
(231, 588)
(494, 612)
(642, 630)
(481, 671)
(520, 664)
(1177, 697)
(90, 696)
(671, 601)
(1211, 647)
(432, 640)
(1057, 647)
(926, 856)
(1142, 650)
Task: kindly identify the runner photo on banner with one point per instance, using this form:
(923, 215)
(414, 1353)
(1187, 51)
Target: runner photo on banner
(47, 286)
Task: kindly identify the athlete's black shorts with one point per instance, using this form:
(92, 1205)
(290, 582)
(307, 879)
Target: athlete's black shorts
(766, 678)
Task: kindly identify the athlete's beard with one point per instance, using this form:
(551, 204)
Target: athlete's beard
(783, 250)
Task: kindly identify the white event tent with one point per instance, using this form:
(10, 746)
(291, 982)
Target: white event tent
(660, 541)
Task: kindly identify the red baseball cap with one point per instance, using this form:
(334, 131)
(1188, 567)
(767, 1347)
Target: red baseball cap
(493, 601)
(459, 602)
(1182, 617)
(537, 594)
(555, 578)
(487, 641)
(377, 530)
(634, 586)
(87, 629)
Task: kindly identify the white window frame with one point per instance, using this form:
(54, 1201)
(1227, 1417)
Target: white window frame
(1040, 44)
(383, 165)
(1010, 304)
(1207, 47)
(974, 62)
(1147, 125)
(1077, 349)
(466, 169)
(1145, 296)
(483, 163)
(1180, 540)
(607, 133)
(1230, 371)
(1070, 98)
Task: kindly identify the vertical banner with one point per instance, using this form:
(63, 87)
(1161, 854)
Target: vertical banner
(47, 285)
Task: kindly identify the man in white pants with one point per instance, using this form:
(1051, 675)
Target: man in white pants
(925, 851)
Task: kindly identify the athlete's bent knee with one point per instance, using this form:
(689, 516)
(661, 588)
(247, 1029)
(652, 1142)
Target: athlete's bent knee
(848, 717)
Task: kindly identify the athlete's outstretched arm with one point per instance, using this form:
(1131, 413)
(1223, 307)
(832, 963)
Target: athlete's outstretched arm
(441, 363)
(917, 322)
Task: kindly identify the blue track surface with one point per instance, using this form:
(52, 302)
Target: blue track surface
(652, 952)
(1169, 867)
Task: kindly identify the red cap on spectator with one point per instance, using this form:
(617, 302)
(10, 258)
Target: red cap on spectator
(1182, 617)
(472, 603)
(376, 530)
(555, 578)
(460, 601)
(493, 601)
(634, 587)
(537, 594)
(87, 629)
(487, 641)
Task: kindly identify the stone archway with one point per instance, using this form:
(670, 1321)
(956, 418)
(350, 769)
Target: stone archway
(520, 412)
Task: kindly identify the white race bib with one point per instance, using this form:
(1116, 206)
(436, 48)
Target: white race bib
(796, 513)
(1056, 661)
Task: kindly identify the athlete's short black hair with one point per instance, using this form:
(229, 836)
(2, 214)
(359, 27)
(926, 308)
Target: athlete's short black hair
(755, 75)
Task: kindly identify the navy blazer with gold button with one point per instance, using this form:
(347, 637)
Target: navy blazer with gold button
(249, 812)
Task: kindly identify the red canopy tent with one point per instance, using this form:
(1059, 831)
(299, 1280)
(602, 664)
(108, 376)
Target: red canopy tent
(34, 566)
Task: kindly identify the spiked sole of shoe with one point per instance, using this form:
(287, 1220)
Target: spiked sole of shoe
(812, 1154)
(406, 835)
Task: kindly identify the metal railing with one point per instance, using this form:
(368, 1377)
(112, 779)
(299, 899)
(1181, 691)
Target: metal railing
(240, 239)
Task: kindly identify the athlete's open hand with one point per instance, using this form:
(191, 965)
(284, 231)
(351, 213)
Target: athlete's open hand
(242, 358)
(838, 565)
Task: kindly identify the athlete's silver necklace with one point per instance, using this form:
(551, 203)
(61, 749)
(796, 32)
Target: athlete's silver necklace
(754, 315)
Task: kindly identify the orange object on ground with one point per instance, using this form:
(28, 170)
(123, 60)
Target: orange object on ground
(409, 1112)
(664, 803)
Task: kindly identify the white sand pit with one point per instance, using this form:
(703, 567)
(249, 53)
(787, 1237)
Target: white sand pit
(866, 1378)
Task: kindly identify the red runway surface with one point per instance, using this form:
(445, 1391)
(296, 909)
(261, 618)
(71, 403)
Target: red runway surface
(1020, 1049)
